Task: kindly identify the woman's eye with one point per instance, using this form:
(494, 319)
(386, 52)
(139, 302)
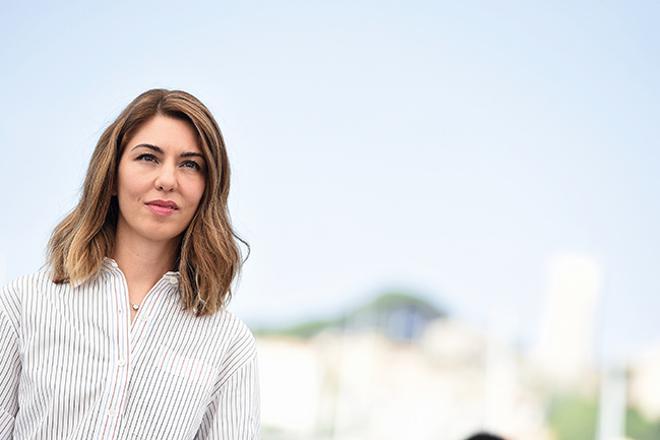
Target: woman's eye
(192, 164)
(147, 157)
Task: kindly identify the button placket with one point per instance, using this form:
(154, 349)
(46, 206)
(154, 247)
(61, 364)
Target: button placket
(116, 388)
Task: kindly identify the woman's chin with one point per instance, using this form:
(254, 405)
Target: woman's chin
(159, 235)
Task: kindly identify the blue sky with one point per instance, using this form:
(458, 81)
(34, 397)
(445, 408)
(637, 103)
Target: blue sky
(447, 147)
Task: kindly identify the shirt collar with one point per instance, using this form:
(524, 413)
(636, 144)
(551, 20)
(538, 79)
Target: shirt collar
(172, 276)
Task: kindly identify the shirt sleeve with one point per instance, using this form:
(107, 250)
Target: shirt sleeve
(234, 414)
(10, 361)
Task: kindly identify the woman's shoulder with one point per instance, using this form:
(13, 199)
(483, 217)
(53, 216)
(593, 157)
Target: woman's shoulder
(232, 326)
(13, 293)
(238, 346)
(24, 284)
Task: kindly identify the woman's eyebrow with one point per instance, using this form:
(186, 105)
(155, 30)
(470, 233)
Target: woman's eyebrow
(191, 154)
(157, 149)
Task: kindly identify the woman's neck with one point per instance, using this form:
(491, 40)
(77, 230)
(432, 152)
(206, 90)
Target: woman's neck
(143, 262)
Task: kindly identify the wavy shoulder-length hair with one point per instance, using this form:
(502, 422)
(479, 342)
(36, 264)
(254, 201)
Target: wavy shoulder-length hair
(208, 256)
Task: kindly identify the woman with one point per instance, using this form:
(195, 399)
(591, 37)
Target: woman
(124, 334)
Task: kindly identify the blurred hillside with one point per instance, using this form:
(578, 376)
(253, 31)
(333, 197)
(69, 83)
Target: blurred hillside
(398, 315)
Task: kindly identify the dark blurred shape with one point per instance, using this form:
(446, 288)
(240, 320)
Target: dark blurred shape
(484, 436)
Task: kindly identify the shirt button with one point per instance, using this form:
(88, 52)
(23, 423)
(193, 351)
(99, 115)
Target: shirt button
(121, 362)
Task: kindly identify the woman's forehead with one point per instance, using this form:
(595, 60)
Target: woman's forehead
(168, 134)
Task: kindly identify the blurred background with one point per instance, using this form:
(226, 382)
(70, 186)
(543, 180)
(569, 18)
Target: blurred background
(452, 206)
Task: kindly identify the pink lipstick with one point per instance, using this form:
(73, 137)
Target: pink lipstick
(162, 207)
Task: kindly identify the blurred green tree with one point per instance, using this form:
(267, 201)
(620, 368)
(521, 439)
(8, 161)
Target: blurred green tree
(573, 417)
(639, 427)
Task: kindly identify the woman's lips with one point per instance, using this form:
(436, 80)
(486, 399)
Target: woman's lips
(161, 210)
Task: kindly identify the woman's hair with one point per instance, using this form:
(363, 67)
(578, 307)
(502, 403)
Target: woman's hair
(208, 257)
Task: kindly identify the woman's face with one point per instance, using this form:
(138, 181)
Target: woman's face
(160, 180)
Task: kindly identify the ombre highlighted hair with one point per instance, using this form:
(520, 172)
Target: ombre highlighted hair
(208, 257)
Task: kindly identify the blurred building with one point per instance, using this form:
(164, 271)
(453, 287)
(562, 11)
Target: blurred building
(644, 384)
(564, 349)
(391, 371)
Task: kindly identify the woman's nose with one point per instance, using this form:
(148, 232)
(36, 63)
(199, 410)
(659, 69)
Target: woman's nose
(166, 179)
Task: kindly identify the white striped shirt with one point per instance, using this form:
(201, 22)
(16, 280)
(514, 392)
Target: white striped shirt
(74, 366)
